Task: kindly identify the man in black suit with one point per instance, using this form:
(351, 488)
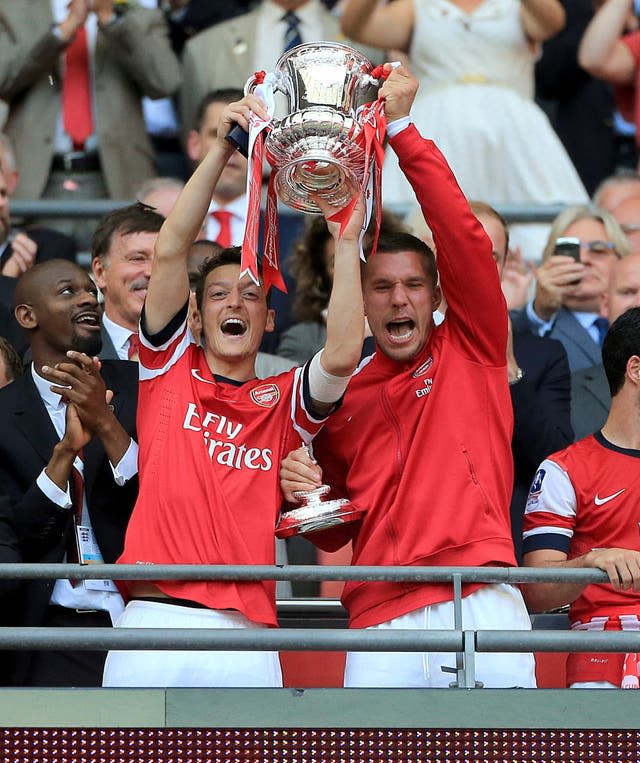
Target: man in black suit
(68, 468)
(540, 385)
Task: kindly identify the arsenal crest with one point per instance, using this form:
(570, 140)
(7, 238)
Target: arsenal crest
(266, 395)
(422, 370)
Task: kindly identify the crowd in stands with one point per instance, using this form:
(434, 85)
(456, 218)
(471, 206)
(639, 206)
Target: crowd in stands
(473, 386)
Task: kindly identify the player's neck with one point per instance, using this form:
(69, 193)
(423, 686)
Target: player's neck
(240, 370)
(622, 427)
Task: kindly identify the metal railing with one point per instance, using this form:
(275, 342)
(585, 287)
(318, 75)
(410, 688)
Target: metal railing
(464, 643)
(26, 208)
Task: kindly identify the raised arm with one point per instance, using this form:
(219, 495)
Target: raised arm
(541, 19)
(380, 25)
(468, 274)
(345, 316)
(601, 52)
(168, 287)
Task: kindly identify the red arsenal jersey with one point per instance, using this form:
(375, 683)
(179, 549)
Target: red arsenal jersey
(585, 497)
(210, 452)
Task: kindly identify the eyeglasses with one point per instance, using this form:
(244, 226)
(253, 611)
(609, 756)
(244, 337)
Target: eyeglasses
(599, 247)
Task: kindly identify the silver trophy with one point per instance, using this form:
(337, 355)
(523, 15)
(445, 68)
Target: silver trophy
(316, 514)
(313, 144)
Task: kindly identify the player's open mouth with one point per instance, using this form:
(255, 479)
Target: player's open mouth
(401, 330)
(233, 327)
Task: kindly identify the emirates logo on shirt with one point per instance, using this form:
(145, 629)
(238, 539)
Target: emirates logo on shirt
(266, 395)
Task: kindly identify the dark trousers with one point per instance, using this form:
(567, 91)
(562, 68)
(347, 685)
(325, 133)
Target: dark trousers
(69, 668)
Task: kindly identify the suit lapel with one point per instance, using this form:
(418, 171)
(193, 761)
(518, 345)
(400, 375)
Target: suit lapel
(573, 333)
(31, 416)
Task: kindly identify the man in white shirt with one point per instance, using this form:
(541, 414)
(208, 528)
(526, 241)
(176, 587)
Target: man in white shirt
(227, 212)
(68, 468)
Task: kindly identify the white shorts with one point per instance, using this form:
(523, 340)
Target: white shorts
(493, 607)
(188, 668)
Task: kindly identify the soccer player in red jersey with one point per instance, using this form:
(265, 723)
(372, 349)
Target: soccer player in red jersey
(212, 437)
(423, 439)
(583, 511)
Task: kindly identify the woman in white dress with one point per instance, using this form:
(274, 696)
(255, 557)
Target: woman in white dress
(475, 62)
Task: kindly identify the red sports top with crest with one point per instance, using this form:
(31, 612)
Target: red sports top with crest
(210, 452)
(584, 497)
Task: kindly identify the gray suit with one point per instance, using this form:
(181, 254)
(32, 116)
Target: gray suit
(133, 58)
(581, 349)
(222, 56)
(590, 400)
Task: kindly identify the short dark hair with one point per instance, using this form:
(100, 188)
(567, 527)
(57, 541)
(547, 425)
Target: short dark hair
(221, 95)
(482, 208)
(407, 242)
(136, 218)
(621, 342)
(232, 255)
(12, 362)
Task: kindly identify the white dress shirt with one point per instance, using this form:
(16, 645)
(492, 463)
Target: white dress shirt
(62, 141)
(238, 208)
(64, 594)
(120, 336)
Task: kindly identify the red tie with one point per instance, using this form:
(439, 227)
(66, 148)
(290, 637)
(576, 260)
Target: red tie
(77, 498)
(134, 346)
(76, 91)
(223, 217)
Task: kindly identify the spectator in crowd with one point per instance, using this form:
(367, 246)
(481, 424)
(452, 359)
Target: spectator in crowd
(610, 50)
(82, 135)
(615, 189)
(188, 17)
(477, 73)
(19, 250)
(422, 439)
(566, 304)
(590, 397)
(627, 213)
(540, 387)
(121, 257)
(580, 107)
(227, 54)
(10, 363)
(582, 512)
(68, 466)
(212, 437)
(312, 267)
(160, 193)
(225, 219)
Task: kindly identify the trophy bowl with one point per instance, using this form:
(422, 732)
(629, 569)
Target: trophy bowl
(313, 143)
(316, 514)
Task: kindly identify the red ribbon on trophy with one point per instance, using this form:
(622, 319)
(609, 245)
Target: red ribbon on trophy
(271, 274)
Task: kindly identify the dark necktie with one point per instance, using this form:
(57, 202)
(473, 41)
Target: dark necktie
(223, 216)
(602, 324)
(76, 91)
(292, 33)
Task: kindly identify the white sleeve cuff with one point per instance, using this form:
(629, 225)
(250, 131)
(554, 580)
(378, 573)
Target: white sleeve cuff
(397, 126)
(541, 327)
(61, 498)
(127, 466)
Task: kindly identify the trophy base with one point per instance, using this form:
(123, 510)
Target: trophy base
(312, 519)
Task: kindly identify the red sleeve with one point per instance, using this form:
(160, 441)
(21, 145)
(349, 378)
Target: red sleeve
(468, 274)
(625, 95)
